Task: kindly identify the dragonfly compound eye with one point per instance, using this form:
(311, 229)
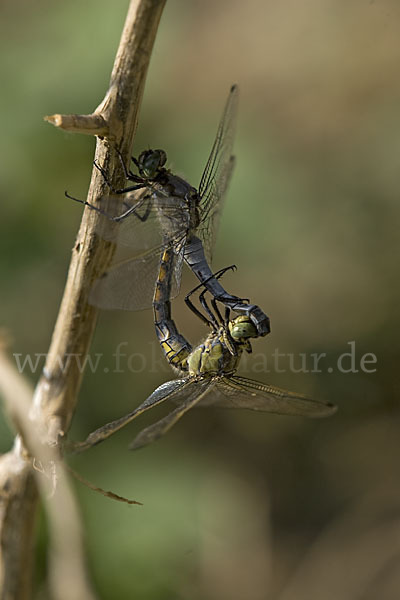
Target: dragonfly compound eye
(162, 157)
(150, 161)
(242, 328)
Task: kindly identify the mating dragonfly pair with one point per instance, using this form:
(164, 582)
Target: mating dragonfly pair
(164, 221)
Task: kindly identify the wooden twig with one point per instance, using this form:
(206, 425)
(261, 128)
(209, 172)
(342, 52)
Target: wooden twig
(19, 483)
(55, 396)
(57, 389)
(89, 124)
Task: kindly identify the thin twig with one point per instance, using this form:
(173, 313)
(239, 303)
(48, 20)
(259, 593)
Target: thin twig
(57, 389)
(89, 124)
(56, 393)
(99, 490)
(68, 578)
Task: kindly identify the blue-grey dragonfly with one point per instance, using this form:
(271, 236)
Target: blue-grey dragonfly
(160, 210)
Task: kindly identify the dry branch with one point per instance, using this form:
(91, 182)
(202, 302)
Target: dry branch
(89, 124)
(18, 484)
(55, 396)
(57, 389)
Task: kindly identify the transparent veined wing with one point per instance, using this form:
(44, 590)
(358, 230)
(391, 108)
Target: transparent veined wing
(170, 390)
(136, 224)
(146, 223)
(143, 223)
(208, 228)
(129, 283)
(239, 392)
(217, 173)
(196, 391)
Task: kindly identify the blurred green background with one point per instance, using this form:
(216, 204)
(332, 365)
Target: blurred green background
(236, 505)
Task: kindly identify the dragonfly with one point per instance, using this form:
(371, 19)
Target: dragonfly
(160, 209)
(207, 372)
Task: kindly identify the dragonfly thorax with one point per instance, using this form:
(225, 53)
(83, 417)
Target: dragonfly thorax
(212, 357)
(220, 352)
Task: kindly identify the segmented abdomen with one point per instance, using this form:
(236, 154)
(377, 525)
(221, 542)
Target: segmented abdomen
(175, 347)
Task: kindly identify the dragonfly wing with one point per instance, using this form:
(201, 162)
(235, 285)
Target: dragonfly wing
(137, 224)
(208, 228)
(217, 172)
(129, 283)
(166, 391)
(196, 391)
(240, 392)
(170, 390)
(138, 221)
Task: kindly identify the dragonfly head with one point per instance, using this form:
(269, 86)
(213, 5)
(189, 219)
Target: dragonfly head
(242, 328)
(150, 161)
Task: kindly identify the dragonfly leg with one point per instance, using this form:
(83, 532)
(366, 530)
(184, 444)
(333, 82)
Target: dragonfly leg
(212, 322)
(133, 209)
(196, 311)
(223, 321)
(132, 188)
(215, 275)
(127, 172)
(105, 177)
(227, 314)
(195, 258)
(207, 309)
(135, 162)
(218, 320)
(96, 208)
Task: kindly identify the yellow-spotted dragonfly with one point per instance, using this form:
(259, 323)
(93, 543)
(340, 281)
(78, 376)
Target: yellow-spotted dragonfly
(207, 372)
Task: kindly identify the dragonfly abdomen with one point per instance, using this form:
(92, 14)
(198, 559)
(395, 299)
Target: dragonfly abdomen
(195, 258)
(175, 347)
